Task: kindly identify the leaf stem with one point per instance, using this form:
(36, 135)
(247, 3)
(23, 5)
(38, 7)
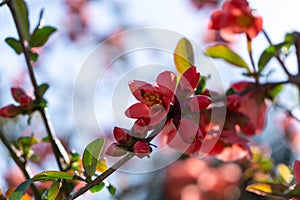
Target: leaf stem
(20, 163)
(59, 152)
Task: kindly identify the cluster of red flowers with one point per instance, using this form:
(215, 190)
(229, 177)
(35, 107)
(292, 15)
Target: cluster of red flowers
(184, 117)
(26, 104)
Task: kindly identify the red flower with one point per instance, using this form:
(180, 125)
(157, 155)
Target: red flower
(154, 99)
(253, 104)
(236, 17)
(187, 138)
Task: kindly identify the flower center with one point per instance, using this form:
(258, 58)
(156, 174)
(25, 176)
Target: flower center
(245, 21)
(152, 98)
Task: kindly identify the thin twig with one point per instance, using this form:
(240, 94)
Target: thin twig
(102, 177)
(59, 152)
(251, 58)
(116, 166)
(277, 56)
(21, 164)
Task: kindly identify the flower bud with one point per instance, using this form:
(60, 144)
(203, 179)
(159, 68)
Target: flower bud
(141, 149)
(122, 136)
(25, 101)
(115, 150)
(10, 111)
(17, 93)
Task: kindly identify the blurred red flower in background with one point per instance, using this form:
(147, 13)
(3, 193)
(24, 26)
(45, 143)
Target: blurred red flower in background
(236, 17)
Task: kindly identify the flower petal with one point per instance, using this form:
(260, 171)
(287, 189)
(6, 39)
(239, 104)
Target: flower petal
(235, 152)
(198, 103)
(167, 83)
(17, 92)
(297, 170)
(136, 88)
(188, 82)
(138, 110)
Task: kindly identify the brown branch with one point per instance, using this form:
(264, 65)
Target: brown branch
(116, 166)
(20, 163)
(59, 152)
(297, 45)
(102, 177)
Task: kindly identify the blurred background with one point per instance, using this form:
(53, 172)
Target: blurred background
(82, 25)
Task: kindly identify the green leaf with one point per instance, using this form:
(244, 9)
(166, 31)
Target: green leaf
(15, 44)
(22, 16)
(224, 52)
(275, 91)
(43, 88)
(54, 190)
(91, 156)
(267, 189)
(20, 190)
(267, 54)
(46, 139)
(112, 190)
(34, 56)
(97, 188)
(25, 143)
(183, 55)
(201, 87)
(41, 35)
(53, 176)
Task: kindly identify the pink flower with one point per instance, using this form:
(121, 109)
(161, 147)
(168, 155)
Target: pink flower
(236, 17)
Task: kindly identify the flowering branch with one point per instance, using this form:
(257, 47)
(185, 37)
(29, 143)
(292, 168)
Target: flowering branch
(21, 164)
(59, 152)
(102, 177)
